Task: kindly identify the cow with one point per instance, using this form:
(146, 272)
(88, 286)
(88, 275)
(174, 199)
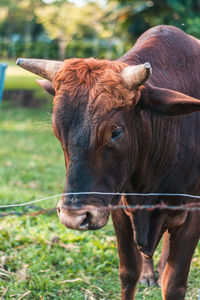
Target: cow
(132, 126)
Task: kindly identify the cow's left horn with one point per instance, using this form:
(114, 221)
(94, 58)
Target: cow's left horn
(44, 68)
(134, 76)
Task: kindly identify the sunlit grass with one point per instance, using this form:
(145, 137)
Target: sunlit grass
(17, 78)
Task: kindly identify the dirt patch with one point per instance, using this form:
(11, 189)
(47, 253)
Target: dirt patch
(24, 98)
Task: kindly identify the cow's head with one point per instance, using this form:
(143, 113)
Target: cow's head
(94, 120)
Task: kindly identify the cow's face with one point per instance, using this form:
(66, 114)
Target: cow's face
(92, 121)
(97, 159)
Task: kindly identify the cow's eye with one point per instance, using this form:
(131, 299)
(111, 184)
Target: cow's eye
(116, 134)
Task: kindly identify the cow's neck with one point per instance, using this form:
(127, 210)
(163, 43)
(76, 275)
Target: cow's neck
(157, 151)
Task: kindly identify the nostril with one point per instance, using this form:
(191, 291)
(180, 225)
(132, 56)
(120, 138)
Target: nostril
(58, 209)
(86, 222)
(69, 201)
(73, 200)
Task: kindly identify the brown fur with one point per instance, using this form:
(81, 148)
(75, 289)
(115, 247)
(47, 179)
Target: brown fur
(98, 80)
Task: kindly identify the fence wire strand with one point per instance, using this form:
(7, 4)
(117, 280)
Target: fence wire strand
(36, 212)
(161, 206)
(100, 193)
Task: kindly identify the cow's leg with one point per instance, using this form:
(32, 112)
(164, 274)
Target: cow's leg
(130, 259)
(148, 275)
(163, 258)
(183, 241)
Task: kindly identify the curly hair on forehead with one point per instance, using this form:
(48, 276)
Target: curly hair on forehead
(98, 82)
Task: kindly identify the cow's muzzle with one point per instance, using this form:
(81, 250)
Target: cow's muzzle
(88, 218)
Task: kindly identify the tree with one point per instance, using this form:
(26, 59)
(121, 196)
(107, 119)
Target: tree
(139, 15)
(64, 21)
(17, 16)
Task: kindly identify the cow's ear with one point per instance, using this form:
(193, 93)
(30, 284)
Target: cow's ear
(169, 102)
(46, 85)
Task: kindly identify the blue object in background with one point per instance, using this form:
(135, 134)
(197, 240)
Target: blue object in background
(2, 79)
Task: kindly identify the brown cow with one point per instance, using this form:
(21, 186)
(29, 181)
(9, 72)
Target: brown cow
(123, 130)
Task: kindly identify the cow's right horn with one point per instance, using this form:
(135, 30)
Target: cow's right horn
(44, 68)
(134, 76)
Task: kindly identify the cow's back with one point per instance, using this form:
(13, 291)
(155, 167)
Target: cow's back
(173, 55)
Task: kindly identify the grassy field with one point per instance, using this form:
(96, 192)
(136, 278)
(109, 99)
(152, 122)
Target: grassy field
(17, 79)
(39, 257)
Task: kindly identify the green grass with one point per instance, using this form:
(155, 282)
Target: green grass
(80, 265)
(17, 78)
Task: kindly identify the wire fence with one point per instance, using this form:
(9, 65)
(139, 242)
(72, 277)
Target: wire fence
(161, 206)
(191, 206)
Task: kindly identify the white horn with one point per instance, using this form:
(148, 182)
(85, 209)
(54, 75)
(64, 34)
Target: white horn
(44, 68)
(134, 76)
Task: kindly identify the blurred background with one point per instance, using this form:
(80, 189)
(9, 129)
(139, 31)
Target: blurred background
(59, 29)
